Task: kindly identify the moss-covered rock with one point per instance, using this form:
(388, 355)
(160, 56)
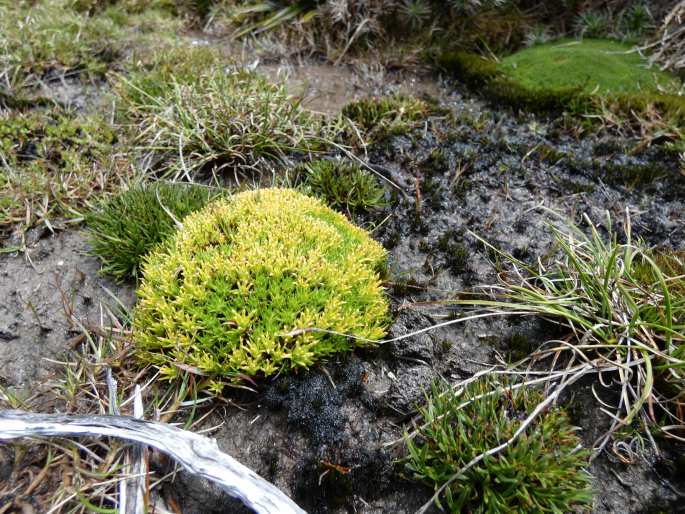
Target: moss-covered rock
(261, 282)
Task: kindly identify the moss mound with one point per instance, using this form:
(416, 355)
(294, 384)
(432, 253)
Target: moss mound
(344, 186)
(236, 291)
(577, 86)
(591, 65)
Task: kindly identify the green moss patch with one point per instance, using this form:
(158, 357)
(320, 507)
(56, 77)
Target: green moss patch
(632, 101)
(591, 65)
(379, 117)
(53, 162)
(251, 284)
(344, 186)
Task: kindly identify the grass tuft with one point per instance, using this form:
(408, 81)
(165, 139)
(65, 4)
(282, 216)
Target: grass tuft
(190, 119)
(124, 228)
(541, 471)
(252, 285)
(52, 162)
(41, 38)
(624, 307)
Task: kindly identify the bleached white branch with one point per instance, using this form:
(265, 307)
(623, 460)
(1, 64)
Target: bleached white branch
(198, 454)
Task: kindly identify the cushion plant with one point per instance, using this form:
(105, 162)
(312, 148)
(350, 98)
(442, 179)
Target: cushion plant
(238, 289)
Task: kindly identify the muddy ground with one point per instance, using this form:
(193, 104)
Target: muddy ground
(322, 435)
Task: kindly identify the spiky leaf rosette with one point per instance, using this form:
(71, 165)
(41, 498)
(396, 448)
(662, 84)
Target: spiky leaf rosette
(541, 471)
(239, 288)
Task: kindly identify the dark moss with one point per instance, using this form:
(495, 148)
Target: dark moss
(437, 162)
(630, 175)
(335, 478)
(455, 253)
(574, 186)
(549, 154)
(518, 346)
(446, 345)
(392, 239)
(406, 287)
(424, 246)
(606, 148)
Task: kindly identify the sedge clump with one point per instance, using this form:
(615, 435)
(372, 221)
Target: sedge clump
(262, 282)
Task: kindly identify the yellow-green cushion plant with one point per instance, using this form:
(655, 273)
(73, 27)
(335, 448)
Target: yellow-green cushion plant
(235, 291)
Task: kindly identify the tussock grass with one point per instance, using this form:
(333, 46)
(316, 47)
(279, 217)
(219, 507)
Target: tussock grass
(541, 471)
(624, 308)
(235, 292)
(215, 119)
(125, 227)
(336, 28)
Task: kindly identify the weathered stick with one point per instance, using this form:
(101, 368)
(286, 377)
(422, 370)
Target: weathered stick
(198, 454)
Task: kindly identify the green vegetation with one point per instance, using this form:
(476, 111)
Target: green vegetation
(631, 176)
(651, 114)
(541, 471)
(383, 116)
(58, 38)
(152, 75)
(43, 37)
(632, 23)
(591, 66)
(335, 28)
(250, 286)
(198, 117)
(124, 228)
(51, 163)
(343, 185)
(624, 308)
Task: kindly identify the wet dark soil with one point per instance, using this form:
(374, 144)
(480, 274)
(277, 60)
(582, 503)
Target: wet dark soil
(323, 435)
